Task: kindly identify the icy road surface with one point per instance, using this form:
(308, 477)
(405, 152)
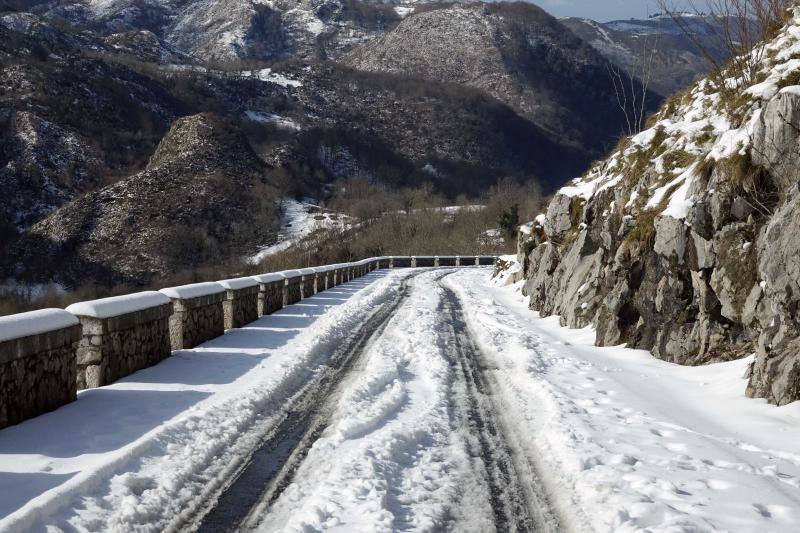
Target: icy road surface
(411, 400)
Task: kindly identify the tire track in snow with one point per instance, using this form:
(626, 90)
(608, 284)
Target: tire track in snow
(517, 504)
(272, 465)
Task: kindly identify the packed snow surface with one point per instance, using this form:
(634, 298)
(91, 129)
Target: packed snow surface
(34, 323)
(119, 305)
(621, 441)
(627, 442)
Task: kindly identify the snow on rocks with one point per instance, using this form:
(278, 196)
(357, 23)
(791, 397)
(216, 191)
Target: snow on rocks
(696, 127)
(627, 442)
(119, 305)
(34, 323)
(268, 75)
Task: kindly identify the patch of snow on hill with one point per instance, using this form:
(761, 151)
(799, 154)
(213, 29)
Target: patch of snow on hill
(271, 118)
(299, 220)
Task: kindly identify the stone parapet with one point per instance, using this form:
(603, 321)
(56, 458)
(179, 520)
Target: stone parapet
(240, 306)
(308, 284)
(292, 292)
(120, 336)
(37, 363)
(270, 293)
(198, 314)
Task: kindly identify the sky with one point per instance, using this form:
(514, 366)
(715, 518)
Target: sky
(601, 10)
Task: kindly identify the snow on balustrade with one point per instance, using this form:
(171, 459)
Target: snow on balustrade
(37, 363)
(34, 322)
(47, 355)
(240, 306)
(121, 335)
(198, 314)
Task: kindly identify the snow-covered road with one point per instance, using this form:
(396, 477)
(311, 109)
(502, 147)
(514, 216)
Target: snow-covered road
(421, 400)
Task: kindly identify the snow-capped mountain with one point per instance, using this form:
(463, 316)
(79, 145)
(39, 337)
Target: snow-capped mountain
(683, 241)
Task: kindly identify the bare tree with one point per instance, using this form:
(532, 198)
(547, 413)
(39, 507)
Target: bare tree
(740, 28)
(631, 85)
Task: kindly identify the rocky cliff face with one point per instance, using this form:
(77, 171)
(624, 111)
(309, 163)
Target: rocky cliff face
(515, 52)
(683, 241)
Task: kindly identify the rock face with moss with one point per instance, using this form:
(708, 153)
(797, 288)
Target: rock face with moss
(684, 241)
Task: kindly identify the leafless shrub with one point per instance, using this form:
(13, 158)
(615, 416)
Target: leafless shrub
(740, 27)
(631, 86)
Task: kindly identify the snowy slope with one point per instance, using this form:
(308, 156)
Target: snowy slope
(627, 442)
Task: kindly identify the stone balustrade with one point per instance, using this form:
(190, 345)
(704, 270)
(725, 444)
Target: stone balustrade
(270, 292)
(308, 283)
(37, 363)
(240, 306)
(120, 336)
(46, 356)
(293, 291)
(197, 315)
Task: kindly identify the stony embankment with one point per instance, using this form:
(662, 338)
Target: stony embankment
(683, 241)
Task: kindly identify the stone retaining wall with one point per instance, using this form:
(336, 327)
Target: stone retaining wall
(37, 372)
(114, 347)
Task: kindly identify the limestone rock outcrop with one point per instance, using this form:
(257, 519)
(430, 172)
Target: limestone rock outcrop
(684, 240)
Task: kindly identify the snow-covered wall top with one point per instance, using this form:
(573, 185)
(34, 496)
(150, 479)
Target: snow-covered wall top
(269, 278)
(26, 324)
(34, 323)
(238, 283)
(194, 290)
(118, 305)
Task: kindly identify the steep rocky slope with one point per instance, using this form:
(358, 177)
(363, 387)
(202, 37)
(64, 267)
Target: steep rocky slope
(676, 62)
(684, 240)
(517, 53)
(202, 196)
